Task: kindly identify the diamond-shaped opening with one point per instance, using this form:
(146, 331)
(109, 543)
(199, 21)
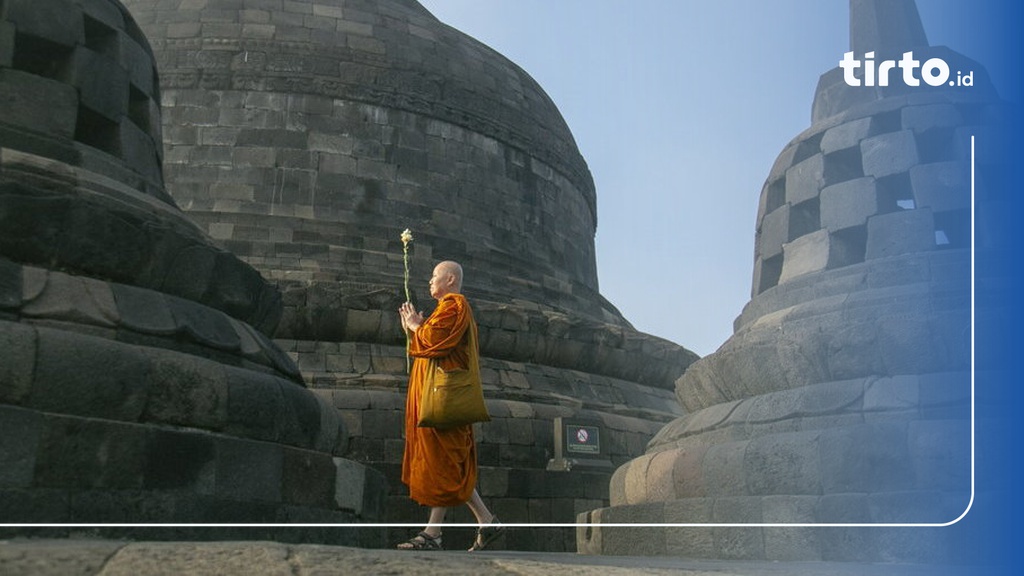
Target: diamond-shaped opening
(94, 129)
(100, 38)
(41, 57)
(843, 165)
(771, 271)
(131, 28)
(936, 145)
(953, 229)
(886, 122)
(808, 148)
(804, 218)
(847, 247)
(895, 193)
(776, 195)
(139, 111)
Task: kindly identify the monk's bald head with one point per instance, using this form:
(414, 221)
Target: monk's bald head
(447, 279)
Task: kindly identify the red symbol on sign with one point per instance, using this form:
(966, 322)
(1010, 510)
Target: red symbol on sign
(582, 435)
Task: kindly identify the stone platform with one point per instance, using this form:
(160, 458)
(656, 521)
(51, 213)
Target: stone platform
(112, 558)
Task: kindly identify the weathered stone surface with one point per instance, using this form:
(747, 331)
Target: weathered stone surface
(806, 254)
(19, 344)
(942, 186)
(845, 384)
(774, 232)
(59, 22)
(19, 441)
(845, 135)
(899, 233)
(888, 154)
(848, 204)
(88, 377)
(805, 180)
(40, 104)
(923, 118)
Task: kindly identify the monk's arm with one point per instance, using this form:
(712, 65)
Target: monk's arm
(440, 334)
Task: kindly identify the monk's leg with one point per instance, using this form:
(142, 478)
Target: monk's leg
(489, 529)
(436, 519)
(430, 537)
(479, 509)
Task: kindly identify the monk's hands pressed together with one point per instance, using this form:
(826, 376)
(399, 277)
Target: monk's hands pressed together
(411, 319)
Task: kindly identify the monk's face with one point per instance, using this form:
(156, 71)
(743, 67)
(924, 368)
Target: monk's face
(441, 282)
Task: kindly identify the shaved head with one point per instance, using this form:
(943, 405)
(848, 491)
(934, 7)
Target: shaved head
(447, 279)
(455, 269)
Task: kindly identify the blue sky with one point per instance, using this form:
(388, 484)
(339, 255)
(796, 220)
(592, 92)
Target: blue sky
(680, 108)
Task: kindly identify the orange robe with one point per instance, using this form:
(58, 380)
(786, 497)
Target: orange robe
(439, 466)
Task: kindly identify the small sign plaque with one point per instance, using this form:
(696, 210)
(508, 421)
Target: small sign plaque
(582, 439)
(578, 445)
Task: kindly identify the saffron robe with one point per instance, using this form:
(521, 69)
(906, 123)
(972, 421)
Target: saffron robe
(440, 466)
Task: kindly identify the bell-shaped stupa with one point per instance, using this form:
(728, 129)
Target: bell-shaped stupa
(306, 136)
(138, 380)
(843, 396)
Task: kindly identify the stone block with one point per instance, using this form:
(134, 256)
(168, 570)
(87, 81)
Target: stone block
(924, 118)
(774, 232)
(696, 542)
(59, 21)
(247, 470)
(633, 539)
(89, 376)
(351, 485)
(7, 31)
(301, 412)
(271, 138)
(186, 391)
(848, 204)
(661, 483)
(102, 85)
(866, 459)
(845, 135)
(941, 186)
(253, 405)
(805, 255)
(520, 431)
(105, 12)
(309, 479)
(805, 179)
(38, 104)
(733, 542)
(783, 464)
(139, 66)
(20, 431)
(139, 151)
(206, 326)
(887, 154)
(77, 453)
(18, 344)
(941, 453)
(894, 394)
(724, 473)
(180, 460)
(39, 505)
(791, 543)
(898, 233)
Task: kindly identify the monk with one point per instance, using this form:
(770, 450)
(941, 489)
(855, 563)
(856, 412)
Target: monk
(439, 466)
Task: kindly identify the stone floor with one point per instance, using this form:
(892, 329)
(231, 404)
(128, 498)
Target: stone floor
(24, 557)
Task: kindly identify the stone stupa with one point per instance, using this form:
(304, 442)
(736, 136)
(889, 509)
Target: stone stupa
(138, 380)
(843, 396)
(305, 136)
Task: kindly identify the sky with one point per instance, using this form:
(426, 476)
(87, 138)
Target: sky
(680, 108)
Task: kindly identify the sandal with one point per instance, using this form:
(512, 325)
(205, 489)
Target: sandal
(487, 534)
(421, 541)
